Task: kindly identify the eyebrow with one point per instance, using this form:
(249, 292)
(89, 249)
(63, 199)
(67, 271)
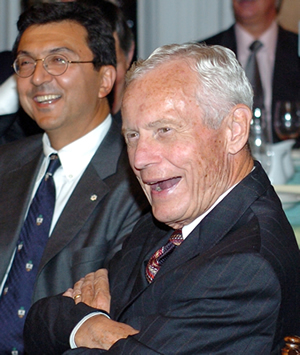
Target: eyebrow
(52, 51)
(163, 121)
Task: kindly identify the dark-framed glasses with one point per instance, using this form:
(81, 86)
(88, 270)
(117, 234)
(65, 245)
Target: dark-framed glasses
(54, 64)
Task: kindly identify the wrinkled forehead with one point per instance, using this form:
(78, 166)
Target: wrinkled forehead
(167, 79)
(167, 92)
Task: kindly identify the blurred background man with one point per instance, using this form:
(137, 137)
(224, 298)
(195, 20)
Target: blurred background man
(277, 55)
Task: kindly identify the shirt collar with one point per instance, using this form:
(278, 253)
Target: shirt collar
(186, 230)
(244, 40)
(76, 156)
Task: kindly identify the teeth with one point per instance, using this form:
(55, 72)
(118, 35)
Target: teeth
(46, 98)
(158, 188)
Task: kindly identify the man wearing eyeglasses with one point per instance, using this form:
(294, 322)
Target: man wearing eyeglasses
(65, 68)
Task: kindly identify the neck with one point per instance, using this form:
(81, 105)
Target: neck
(241, 166)
(64, 136)
(256, 30)
(257, 26)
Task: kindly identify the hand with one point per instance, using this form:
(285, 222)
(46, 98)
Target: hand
(101, 332)
(98, 331)
(93, 290)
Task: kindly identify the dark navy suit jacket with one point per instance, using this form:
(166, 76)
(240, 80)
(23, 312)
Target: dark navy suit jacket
(232, 287)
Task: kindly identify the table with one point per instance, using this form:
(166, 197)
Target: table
(293, 213)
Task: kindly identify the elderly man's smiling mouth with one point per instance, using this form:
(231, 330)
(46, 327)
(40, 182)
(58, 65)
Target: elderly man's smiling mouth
(162, 185)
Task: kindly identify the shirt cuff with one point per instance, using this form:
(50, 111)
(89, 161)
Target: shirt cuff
(74, 331)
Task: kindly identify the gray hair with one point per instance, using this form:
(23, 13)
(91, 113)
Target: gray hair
(222, 81)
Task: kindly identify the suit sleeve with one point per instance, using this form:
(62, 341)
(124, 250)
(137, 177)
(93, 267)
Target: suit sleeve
(230, 305)
(49, 324)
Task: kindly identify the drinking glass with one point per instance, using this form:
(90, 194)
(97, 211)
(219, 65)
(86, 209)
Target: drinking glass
(287, 119)
(258, 139)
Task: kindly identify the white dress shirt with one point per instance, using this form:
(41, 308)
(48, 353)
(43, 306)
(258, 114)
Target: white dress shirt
(265, 59)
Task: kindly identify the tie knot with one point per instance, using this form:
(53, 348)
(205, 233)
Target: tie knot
(53, 164)
(176, 237)
(255, 46)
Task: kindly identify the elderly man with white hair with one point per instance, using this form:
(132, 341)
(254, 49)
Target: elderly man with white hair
(215, 268)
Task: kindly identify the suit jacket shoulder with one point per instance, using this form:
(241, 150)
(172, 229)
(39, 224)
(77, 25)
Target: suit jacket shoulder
(225, 38)
(6, 60)
(286, 78)
(20, 152)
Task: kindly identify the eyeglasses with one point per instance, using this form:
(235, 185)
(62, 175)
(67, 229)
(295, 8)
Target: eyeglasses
(54, 64)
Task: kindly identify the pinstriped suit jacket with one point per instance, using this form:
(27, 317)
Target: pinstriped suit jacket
(232, 287)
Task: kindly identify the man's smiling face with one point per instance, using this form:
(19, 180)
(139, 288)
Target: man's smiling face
(69, 104)
(180, 163)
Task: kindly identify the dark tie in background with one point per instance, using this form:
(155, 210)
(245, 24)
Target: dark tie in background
(161, 255)
(16, 297)
(252, 72)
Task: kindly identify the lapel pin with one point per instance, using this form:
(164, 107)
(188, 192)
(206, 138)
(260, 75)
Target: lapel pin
(94, 197)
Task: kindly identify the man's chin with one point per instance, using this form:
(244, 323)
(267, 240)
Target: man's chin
(165, 215)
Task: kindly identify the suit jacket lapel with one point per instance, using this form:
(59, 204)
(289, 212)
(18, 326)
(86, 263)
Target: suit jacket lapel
(220, 220)
(229, 39)
(152, 244)
(15, 196)
(88, 193)
(136, 256)
(84, 199)
(216, 225)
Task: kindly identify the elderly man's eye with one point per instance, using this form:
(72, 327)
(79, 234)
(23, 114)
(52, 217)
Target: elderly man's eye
(164, 130)
(131, 136)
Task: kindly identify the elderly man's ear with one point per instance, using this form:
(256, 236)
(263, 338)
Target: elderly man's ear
(238, 127)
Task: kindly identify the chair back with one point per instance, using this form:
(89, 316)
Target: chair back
(292, 345)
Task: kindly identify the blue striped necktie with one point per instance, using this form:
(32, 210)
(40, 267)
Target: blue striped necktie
(18, 289)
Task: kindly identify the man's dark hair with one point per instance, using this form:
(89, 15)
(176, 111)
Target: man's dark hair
(117, 20)
(100, 34)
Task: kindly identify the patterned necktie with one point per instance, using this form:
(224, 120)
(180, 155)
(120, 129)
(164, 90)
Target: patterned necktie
(161, 255)
(18, 289)
(252, 72)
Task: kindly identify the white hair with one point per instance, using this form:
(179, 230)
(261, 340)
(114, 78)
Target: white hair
(222, 81)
